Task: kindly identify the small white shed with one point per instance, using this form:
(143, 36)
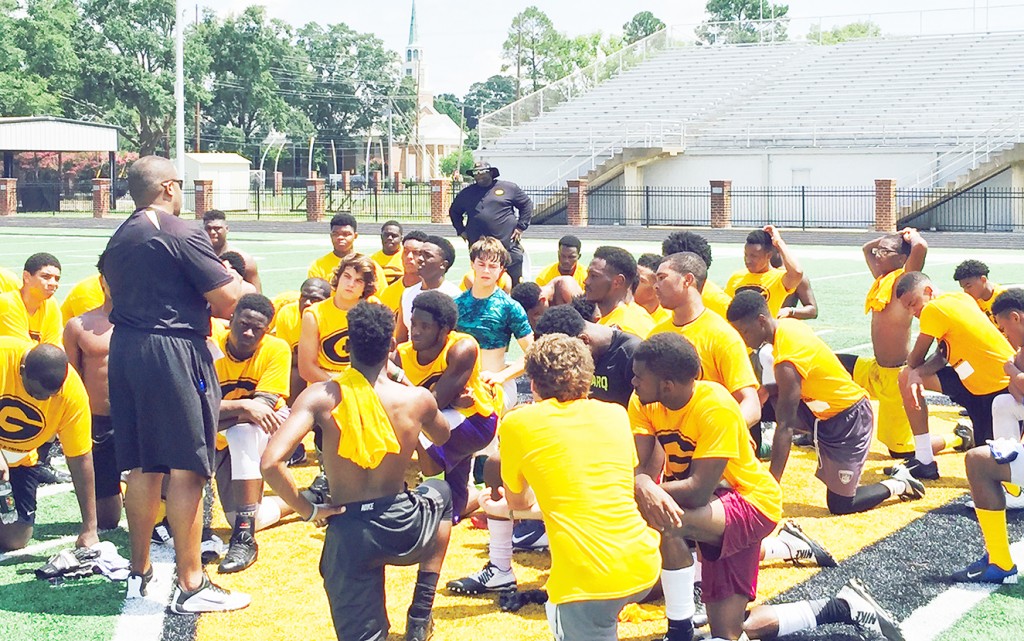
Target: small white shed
(230, 176)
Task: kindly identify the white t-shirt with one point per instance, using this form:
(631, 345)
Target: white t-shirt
(411, 292)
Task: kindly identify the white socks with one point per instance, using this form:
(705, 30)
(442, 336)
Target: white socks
(678, 588)
(500, 547)
(923, 448)
(794, 617)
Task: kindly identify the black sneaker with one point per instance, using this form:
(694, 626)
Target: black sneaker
(803, 439)
(242, 552)
(806, 548)
(917, 469)
(419, 629)
(162, 533)
(489, 579)
(298, 457)
(966, 434)
(319, 491)
(49, 475)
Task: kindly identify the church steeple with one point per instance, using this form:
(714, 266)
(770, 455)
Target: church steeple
(415, 65)
(414, 35)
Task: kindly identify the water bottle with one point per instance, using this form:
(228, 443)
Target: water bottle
(8, 511)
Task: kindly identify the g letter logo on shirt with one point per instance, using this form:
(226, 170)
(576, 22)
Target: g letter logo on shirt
(330, 347)
(20, 422)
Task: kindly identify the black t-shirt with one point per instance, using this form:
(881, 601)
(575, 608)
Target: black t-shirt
(491, 211)
(158, 267)
(613, 372)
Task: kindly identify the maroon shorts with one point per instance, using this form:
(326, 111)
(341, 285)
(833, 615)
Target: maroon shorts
(731, 566)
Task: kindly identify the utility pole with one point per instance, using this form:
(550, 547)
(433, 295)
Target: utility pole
(179, 88)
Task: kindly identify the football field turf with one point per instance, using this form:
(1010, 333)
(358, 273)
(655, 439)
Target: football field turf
(901, 551)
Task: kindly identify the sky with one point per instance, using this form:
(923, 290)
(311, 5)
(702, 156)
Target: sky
(462, 41)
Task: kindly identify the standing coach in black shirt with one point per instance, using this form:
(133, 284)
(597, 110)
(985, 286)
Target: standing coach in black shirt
(492, 207)
(164, 396)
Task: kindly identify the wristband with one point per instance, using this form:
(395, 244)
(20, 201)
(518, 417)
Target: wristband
(312, 515)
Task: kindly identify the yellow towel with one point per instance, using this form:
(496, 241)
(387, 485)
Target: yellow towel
(638, 612)
(881, 291)
(366, 431)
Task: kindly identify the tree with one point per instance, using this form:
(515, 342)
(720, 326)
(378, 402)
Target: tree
(852, 31)
(450, 105)
(743, 21)
(640, 26)
(451, 161)
(22, 92)
(487, 96)
(531, 47)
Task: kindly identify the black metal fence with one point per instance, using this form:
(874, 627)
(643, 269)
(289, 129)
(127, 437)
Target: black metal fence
(983, 209)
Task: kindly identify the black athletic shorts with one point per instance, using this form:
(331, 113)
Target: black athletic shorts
(164, 401)
(104, 458)
(393, 530)
(979, 408)
(24, 484)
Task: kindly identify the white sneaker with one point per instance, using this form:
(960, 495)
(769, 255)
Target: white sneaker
(867, 614)
(208, 598)
(489, 579)
(1012, 502)
(138, 584)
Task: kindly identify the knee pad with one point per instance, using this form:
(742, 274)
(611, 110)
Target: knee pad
(246, 444)
(1009, 452)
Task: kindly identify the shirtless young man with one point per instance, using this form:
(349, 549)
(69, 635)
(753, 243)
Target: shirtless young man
(87, 343)
(371, 427)
(216, 225)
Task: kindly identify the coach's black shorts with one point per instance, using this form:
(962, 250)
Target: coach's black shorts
(979, 408)
(104, 458)
(24, 484)
(393, 530)
(164, 401)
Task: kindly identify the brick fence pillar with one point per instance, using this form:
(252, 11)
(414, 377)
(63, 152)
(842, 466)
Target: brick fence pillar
(278, 183)
(576, 211)
(314, 199)
(346, 181)
(398, 181)
(100, 197)
(885, 205)
(721, 204)
(8, 196)
(440, 200)
(204, 197)
(375, 184)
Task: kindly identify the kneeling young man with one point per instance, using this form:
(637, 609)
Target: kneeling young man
(371, 428)
(253, 373)
(814, 393)
(603, 555)
(705, 440)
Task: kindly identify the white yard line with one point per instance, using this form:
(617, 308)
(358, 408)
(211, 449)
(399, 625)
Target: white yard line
(51, 490)
(143, 619)
(931, 620)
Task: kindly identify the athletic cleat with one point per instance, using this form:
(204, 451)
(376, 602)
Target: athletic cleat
(319, 491)
(867, 614)
(917, 469)
(162, 534)
(805, 548)
(914, 489)
(981, 571)
(242, 552)
(700, 613)
(212, 547)
(966, 434)
(489, 579)
(138, 584)
(209, 597)
(49, 475)
(419, 629)
(529, 536)
(1013, 501)
(298, 457)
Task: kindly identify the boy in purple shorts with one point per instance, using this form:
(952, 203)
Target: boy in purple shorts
(705, 440)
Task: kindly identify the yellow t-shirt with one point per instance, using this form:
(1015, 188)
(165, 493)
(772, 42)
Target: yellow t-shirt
(715, 299)
(722, 352)
(827, 388)
(768, 284)
(324, 267)
(550, 273)
(45, 326)
(9, 282)
(268, 370)
(505, 282)
(630, 318)
(332, 327)
(288, 324)
(427, 375)
(661, 315)
(391, 297)
(986, 305)
(975, 348)
(87, 295)
(601, 547)
(26, 422)
(392, 266)
(709, 426)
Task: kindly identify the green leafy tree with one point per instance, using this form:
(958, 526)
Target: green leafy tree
(451, 106)
(743, 21)
(487, 96)
(640, 26)
(464, 162)
(22, 91)
(852, 31)
(531, 48)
